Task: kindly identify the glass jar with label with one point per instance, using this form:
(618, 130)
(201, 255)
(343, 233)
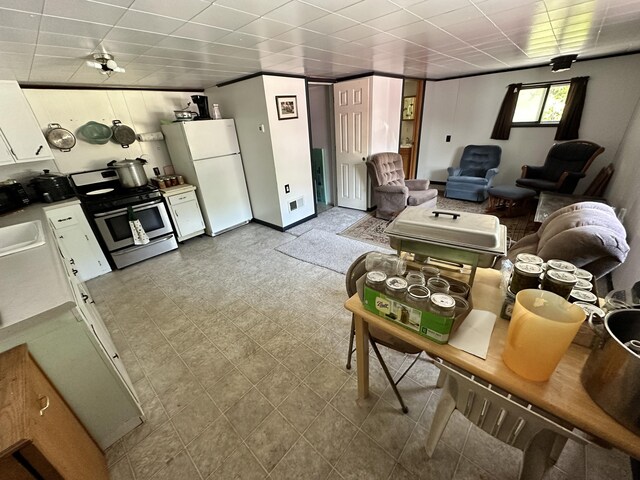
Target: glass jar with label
(442, 304)
(529, 258)
(559, 282)
(429, 271)
(461, 306)
(561, 265)
(396, 287)
(583, 274)
(418, 297)
(583, 284)
(583, 296)
(591, 310)
(525, 275)
(375, 279)
(507, 305)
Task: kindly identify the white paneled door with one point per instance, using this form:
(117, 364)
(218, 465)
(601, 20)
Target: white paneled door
(351, 106)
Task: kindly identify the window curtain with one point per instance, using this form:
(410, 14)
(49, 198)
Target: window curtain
(570, 121)
(502, 127)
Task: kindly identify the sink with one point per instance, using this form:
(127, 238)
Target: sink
(20, 237)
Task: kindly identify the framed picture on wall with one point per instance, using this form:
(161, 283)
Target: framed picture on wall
(287, 107)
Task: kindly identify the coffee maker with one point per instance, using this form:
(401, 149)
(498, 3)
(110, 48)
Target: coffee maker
(202, 101)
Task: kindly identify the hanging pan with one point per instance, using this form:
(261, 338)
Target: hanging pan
(60, 138)
(123, 134)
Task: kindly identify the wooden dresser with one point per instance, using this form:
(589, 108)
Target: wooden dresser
(40, 437)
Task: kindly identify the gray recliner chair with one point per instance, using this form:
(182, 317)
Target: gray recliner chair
(392, 193)
(587, 234)
(472, 179)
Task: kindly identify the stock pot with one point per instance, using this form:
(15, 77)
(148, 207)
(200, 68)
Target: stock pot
(130, 172)
(611, 374)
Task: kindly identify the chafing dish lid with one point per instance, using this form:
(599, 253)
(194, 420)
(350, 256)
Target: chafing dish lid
(462, 229)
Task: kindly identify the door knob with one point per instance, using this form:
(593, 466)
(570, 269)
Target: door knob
(364, 159)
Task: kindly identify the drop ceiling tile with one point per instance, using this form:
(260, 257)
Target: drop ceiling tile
(23, 5)
(256, 7)
(234, 51)
(80, 28)
(18, 35)
(148, 22)
(118, 3)
(13, 18)
(433, 8)
(82, 10)
(75, 53)
(355, 33)
(12, 47)
(134, 36)
(122, 49)
(17, 60)
(491, 7)
(368, 10)
(60, 40)
(330, 24)
(224, 17)
(472, 29)
(264, 27)
(296, 13)
(180, 43)
(300, 36)
(331, 5)
(200, 32)
(393, 20)
(272, 46)
(462, 14)
(17, 74)
(240, 40)
(184, 10)
(376, 40)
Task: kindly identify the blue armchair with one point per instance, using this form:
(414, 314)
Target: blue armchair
(472, 179)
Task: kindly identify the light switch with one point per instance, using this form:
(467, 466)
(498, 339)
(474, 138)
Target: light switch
(261, 128)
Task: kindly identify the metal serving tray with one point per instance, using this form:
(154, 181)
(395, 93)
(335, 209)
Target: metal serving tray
(468, 238)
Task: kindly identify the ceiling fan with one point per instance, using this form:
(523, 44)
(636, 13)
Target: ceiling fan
(105, 64)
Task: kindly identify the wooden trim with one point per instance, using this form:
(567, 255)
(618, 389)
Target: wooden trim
(259, 74)
(417, 128)
(39, 86)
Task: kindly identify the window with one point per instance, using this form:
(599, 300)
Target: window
(540, 104)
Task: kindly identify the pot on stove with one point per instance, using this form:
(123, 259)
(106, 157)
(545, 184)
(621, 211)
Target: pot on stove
(52, 187)
(130, 172)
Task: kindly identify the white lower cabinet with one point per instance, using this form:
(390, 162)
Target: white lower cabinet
(72, 353)
(76, 241)
(185, 211)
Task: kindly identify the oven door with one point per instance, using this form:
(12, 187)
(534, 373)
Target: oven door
(114, 226)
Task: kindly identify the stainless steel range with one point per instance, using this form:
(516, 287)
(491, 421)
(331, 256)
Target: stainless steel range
(107, 204)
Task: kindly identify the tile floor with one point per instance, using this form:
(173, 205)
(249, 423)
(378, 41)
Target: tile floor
(237, 353)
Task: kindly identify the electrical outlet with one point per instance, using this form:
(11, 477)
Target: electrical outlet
(447, 138)
(261, 128)
(287, 189)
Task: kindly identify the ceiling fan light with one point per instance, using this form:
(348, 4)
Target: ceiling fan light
(111, 64)
(562, 63)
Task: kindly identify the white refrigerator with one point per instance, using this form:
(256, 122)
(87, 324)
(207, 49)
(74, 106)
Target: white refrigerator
(207, 154)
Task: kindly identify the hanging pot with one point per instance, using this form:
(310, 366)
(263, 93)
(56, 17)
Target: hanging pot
(60, 138)
(611, 374)
(95, 133)
(52, 187)
(130, 172)
(123, 134)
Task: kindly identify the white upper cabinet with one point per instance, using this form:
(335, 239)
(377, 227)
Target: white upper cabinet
(19, 129)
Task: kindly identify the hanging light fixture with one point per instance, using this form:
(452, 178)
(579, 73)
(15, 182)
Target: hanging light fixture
(105, 64)
(562, 63)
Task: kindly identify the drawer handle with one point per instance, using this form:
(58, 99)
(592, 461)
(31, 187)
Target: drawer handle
(85, 297)
(74, 271)
(64, 219)
(46, 405)
(39, 150)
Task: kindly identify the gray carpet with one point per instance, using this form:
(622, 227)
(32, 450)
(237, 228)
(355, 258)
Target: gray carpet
(333, 220)
(327, 249)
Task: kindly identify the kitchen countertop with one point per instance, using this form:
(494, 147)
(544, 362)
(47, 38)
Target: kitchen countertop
(32, 281)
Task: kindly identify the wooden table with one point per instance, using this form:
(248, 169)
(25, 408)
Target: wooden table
(549, 202)
(563, 395)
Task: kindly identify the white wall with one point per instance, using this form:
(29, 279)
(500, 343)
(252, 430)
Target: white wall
(291, 148)
(141, 110)
(245, 103)
(623, 193)
(467, 108)
(276, 157)
(386, 108)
